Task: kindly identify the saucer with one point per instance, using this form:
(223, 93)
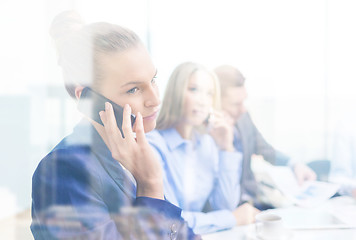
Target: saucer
(285, 235)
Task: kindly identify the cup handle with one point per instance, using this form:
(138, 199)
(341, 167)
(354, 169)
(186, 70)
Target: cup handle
(258, 226)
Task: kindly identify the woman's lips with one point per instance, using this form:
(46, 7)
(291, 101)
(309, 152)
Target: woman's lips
(151, 117)
(200, 112)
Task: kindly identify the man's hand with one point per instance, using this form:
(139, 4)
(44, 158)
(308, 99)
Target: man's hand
(303, 173)
(353, 193)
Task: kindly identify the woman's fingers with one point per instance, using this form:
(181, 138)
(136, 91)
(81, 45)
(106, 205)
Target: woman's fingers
(218, 114)
(140, 131)
(111, 125)
(126, 123)
(103, 118)
(216, 117)
(112, 131)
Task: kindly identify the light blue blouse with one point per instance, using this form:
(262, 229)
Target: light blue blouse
(196, 172)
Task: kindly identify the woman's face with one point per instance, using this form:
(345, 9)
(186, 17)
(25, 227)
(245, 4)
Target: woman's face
(129, 78)
(198, 98)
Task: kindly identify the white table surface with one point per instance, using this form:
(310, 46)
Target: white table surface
(343, 207)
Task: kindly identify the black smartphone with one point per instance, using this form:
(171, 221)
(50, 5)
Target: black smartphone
(91, 103)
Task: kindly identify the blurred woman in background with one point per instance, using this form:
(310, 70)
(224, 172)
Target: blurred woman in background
(201, 170)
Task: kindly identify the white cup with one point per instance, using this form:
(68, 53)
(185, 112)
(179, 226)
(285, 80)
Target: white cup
(269, 226)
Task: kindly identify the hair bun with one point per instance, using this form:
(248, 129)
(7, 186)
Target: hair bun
(65, 24)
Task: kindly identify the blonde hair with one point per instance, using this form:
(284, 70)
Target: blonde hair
(172, 106)
(80, 48)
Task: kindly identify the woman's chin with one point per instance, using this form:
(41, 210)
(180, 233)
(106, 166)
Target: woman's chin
(148, 127)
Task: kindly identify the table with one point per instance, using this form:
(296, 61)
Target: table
(342, 207)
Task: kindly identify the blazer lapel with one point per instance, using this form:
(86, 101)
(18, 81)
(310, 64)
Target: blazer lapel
(120, 176)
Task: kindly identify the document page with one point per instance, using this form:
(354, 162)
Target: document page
(309, 194)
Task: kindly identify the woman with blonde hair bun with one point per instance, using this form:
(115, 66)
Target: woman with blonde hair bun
(97, 184)
(194, 142)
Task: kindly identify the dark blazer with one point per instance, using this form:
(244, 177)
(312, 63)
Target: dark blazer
(253, 142)
(80, 192)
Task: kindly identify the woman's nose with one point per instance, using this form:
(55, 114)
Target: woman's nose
(152, 98)
(204, 99)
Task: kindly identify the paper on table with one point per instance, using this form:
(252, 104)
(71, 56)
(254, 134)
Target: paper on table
(310, 194)
(347, 184)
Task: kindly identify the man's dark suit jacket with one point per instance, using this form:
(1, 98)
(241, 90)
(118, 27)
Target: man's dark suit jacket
(253, 142)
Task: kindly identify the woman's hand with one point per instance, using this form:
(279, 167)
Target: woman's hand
(245, 214)
(221, 129)
(135, 154)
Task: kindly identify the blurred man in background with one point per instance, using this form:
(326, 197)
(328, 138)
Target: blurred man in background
(247, 138)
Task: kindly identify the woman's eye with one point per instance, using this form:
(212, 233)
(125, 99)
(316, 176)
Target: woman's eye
(153, 81)
(193, 89)
(132, 90)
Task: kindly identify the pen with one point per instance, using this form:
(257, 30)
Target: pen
(268, 185)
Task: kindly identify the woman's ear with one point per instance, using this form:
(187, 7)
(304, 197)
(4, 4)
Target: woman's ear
(78, 91)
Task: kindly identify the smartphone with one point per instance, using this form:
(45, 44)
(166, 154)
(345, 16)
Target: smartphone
(91, 103)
